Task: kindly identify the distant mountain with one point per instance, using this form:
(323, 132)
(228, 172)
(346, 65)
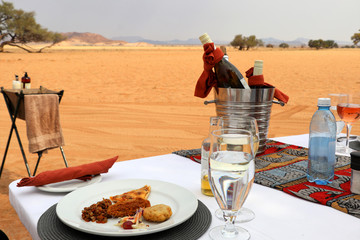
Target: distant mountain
(85, 37)
(88, 37)
(93, 39)
(131, 39)
(297, 42)
(76, 38)
(192, 41)
(272, 41)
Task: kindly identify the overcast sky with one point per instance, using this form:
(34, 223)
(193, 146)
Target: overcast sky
(183, 19)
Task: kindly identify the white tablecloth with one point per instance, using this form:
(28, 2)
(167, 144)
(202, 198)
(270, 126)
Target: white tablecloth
(279, 216)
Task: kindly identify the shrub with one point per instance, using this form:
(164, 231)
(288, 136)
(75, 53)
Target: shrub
(284, 45)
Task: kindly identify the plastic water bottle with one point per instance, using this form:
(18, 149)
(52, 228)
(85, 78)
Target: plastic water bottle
(322, 144)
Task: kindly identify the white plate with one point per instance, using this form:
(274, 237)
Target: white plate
(183, 204)
(70, 185)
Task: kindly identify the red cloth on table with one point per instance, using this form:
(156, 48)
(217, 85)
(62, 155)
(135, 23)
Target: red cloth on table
(207, 79)
(83, 172)
(259, 81)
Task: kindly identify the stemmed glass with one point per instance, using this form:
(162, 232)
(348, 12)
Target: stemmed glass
(348, 109)
(249, 124)
(335, 98)
(242, 122)
(231, 174)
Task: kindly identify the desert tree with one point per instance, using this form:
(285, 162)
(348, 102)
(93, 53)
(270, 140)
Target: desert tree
(284, 45)
(239, 41)
(260, 43)
(322, 44)
(243, 42)
(356, 38)
(330, 44)
(315, 43)
(17, 28)
(251, 41)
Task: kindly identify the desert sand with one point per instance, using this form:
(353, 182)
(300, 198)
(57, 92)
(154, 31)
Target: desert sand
(138, 102)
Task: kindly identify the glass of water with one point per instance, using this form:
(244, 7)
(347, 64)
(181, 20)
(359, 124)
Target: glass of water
(250, 124)
(231, 175)
(242, 122)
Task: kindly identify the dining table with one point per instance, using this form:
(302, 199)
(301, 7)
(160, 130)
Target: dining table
(278, 215)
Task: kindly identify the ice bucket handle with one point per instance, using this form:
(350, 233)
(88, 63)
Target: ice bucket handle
(281, 103)
(209, 102)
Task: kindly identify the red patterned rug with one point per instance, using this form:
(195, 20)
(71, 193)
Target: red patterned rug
(283, 167)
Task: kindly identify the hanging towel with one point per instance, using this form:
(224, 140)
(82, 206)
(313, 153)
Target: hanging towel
(43, 122)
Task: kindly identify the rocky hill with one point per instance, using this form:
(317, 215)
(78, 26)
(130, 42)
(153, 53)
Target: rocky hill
(93, 39)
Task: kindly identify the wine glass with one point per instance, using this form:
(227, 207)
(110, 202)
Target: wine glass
(249, 124)
(231, 174)
(348, 109)
(242, 122)
(335, 98)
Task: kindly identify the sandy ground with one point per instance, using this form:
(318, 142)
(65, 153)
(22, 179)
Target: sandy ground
(138, 102)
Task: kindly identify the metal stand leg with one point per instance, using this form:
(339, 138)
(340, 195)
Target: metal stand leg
(40, 155)
(13, 127)
(63, 155)
(37, 163)
(6, 150)
(22, 151)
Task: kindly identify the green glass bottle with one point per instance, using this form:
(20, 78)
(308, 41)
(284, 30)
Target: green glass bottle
(227, 75)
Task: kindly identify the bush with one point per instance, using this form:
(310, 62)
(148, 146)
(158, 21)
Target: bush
(284, 45)
(322, 44)
(245, 43)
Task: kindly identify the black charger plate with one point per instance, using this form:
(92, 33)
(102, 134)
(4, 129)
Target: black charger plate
(51, 228)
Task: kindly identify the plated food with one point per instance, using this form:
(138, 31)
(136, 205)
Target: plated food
(130, 207)
(157, 213)
(143, 193)
(183, 205)
(97, 212)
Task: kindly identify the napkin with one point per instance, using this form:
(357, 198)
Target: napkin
(84, 172)
(259, 81)
(207, 79)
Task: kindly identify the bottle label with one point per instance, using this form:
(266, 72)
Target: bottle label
(16, 85)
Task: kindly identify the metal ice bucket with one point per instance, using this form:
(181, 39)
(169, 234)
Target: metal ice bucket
(247, 102)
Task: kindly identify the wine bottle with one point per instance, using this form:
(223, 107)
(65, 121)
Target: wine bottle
(258, 68)
(257, 71)
(223, 49)
(25, 80)
(227, 75)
